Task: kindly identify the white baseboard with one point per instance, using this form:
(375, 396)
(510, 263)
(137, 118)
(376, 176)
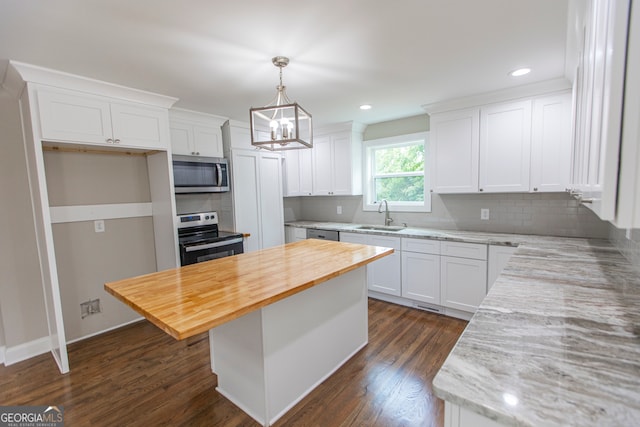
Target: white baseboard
(137, 319)
(2, 350)
(26, 350)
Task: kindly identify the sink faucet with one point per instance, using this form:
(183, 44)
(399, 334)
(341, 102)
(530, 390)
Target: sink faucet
(387, 220)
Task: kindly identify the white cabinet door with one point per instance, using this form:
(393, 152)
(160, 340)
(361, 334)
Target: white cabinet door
(305, 160)
(246, 202)
(455, 146)
(181, 138)
(505, 147)
(291, 173)
(341, 166)
(207, 141)
(271, 211)
(551, 143)
(67, 116)
(463, 282)
(322, 166)
(498, 258)
(385, 273)
(139, 126)
(421, 277)
(257, 198)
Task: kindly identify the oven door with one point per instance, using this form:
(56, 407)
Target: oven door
(200, 252)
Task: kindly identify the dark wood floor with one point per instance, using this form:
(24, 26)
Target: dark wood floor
(139, 376)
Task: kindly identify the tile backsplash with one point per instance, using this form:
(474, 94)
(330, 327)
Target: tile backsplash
(554, 214)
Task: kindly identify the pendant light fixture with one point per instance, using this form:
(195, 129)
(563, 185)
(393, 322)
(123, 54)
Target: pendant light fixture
(281, 125)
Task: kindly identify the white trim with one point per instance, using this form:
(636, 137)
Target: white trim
(3, 349)
(367, 175)
(60, 214)
(136, 320)
(27, 350)
(524, 91)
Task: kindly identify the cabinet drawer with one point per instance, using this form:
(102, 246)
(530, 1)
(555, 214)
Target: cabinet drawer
(423, 246)
(464, 250)
(385, 241)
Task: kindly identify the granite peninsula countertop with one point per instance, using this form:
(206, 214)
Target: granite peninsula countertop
(555, 342)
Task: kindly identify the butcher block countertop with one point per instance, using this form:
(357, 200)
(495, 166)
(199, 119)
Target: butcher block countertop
(189, 300)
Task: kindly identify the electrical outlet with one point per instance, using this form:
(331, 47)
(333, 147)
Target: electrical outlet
(98, 225)
(484, 214)
(339, 210)
(90, 307)
(628, 234)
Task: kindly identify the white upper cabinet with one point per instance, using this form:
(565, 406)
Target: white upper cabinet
(515, 146)
(195, 134)
(551, 143)
(455, 146)
(332, 167)
(337, 163)
(628, 208)
(505, 144)
(81, 118)
(600, 85)
(297, 173)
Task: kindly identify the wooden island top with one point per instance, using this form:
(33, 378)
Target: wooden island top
(189, 300)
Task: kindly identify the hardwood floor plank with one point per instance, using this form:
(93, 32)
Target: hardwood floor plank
(139, 376)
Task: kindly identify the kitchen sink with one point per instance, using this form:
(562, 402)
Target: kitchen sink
(381, 227)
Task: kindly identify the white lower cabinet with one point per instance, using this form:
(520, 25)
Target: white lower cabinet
(421, 270)
(463, 281)
(456, 416)
(294, 234)
(450, 277)
(384, 275)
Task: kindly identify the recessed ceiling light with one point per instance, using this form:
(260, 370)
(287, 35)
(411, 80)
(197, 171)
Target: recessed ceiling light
(520, 72)
(365, 107)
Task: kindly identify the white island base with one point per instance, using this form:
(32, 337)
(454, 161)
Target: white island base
(268, 360)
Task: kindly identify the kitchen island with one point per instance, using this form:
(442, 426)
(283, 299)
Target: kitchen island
(280, 320)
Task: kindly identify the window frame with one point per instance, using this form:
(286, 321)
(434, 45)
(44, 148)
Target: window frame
(368, 193)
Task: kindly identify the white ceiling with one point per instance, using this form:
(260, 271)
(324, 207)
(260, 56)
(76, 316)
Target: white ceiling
(216, 56)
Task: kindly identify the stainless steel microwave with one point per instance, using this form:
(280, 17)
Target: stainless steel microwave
(194, 174)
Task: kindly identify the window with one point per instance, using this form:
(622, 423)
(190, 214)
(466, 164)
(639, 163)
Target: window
(396, 172)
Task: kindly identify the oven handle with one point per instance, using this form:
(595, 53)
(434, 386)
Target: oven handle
(213, 245)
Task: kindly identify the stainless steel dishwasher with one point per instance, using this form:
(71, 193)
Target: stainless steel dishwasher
(314, 233)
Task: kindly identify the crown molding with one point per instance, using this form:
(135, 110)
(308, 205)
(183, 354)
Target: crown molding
(523, 91)
(17, 73)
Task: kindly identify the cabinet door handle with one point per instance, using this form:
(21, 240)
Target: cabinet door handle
(109, 141)
(535, 188)
(481, 189)
(116, 141)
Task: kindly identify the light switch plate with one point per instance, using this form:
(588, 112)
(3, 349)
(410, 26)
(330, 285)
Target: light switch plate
(484, 214)
(98, 225)
(339, 210)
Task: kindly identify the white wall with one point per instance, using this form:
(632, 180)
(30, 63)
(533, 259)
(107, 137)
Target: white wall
(21, 295)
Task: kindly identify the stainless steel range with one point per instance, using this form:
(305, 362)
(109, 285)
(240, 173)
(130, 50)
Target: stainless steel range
(200, 240)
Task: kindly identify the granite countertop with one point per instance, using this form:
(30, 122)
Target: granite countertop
(557, 339)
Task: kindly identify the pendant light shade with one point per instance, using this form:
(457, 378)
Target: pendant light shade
(281, 125)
